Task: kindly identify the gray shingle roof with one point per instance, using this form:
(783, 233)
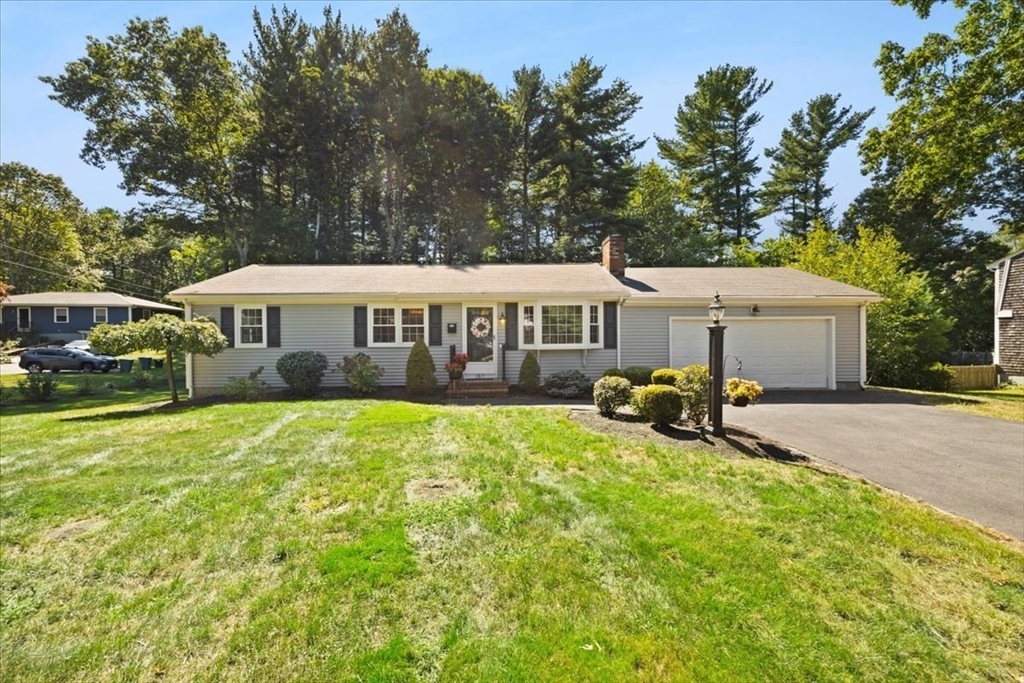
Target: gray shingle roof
(504, 280)
(412, 280)
(85, 299)
(703, 283)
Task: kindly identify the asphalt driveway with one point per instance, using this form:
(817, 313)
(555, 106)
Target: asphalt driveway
(969, 465)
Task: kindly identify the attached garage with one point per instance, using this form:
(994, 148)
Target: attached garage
(779, 353)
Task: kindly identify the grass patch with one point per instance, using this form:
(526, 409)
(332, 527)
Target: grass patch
(293, 541)
(1005, 403)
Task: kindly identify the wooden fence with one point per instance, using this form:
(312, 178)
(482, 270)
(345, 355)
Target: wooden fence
(974, 377)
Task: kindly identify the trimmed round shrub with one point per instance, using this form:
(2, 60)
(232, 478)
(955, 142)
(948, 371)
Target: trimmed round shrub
(302, 371)
(420, 370)
(567, 384)
(529, 372)
(613, 372)
(694, 384)
(660, 404)
(666, 376)
(638, 375)
(611, 393)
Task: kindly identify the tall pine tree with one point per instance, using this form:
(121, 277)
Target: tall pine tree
(713, 150)
(796, 185)
(593, 174)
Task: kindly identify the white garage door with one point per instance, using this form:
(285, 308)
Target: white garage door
(780, 354)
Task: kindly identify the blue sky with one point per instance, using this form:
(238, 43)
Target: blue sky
(806, 48)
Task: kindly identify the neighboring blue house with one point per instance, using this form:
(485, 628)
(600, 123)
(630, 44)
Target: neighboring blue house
(65, 316)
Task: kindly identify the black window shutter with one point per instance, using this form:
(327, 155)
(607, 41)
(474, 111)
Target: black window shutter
(511, 326)
(227, 324)
(360, 326)
(611, 324)
(274, 326)
(435, 325)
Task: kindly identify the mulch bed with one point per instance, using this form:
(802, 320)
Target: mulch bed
(685, 435)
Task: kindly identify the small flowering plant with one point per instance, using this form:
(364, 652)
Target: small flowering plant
(457, 364)
(743, 391)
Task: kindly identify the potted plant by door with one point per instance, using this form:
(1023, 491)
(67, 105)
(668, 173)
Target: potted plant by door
(456, 367)
(742, 392)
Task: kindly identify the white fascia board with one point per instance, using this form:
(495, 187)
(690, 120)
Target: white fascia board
(232, 299)
(749, 301)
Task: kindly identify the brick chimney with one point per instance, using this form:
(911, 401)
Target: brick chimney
(613, 255)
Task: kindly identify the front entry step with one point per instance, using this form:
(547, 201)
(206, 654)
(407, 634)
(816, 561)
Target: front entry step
(477, 388)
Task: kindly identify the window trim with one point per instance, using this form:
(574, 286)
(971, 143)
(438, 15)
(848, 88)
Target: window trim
(67, 315)
(17, 315)
(397, 308)
(538, 314)
(106, 315)
(238, 326)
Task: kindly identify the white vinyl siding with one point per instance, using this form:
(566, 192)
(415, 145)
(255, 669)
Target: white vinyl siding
(644, 337)
(591, 362)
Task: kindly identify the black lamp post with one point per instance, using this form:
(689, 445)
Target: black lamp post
(716, 364)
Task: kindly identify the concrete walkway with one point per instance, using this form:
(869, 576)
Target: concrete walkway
(966, 464)
(10, 369)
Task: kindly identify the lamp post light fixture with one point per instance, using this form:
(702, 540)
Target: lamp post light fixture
(716, 365)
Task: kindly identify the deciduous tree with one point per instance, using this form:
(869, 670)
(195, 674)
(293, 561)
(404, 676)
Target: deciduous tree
(168, 333)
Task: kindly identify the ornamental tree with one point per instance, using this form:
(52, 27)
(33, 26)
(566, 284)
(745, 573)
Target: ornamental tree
(161, 332)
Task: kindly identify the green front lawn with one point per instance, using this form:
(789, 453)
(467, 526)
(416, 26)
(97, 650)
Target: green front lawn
(385, 541)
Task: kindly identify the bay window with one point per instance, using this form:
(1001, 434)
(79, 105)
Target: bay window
(561, 325)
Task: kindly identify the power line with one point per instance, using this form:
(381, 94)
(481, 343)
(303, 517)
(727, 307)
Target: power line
(50, 272)
(71, 269)
(160, 280)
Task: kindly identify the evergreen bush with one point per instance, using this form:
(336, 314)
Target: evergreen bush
(665, 376)
(611, 393)
(420, 370)
(660, 404)
(302, 371)
(567, 384)
(613, 372)
(638, 375)
(529, 372)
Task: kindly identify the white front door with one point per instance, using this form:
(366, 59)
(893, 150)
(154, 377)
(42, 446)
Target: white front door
(478, 340)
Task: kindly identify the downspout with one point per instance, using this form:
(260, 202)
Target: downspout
(618, 333)
(863, 346)
(997, 305)
(188, 356)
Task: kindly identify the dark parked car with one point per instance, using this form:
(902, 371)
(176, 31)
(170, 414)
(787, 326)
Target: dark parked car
(55, 360)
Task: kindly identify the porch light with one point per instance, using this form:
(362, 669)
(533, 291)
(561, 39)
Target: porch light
(501, 320)
(716, 310)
